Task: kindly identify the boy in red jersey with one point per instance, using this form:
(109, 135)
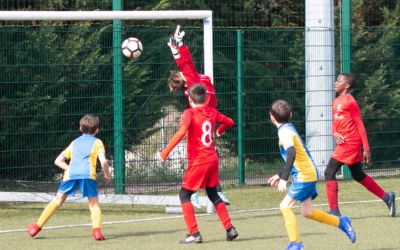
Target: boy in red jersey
(78, 161)
(198, 123)
(349, 134)
(183, 79)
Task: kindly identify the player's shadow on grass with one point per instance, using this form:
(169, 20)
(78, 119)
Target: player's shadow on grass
(250, 217)
(266, 237)
(139, 233)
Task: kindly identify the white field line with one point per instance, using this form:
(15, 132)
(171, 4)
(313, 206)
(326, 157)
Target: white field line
(180, 216)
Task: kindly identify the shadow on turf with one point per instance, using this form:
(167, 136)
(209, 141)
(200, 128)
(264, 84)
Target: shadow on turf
(267, 237)
(111, 236)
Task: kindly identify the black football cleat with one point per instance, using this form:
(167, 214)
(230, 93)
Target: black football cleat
(231, 233)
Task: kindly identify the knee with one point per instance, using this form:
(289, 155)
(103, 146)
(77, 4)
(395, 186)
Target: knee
(357, 172)
(184, 195)
(330, 174)
(283, 205)
(212, 194)
(359, 176)
(305, 212)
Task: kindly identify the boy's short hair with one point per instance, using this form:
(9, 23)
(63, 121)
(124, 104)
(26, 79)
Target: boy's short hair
(281, 111)
(198, 93)
(350, 79)
(175, 81)
(89, 124)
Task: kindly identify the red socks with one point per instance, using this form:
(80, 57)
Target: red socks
(189, 217)
(223, 215)
(332, 189)
(373, 187)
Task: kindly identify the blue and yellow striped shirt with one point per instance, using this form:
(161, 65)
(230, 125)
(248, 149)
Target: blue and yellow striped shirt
(82, 153)
(303, 169)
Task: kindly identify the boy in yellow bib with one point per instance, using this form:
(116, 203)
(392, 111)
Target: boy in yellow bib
(78, 161)
(300, 165)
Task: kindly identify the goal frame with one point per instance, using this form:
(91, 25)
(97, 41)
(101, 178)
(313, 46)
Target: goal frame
(205, 15)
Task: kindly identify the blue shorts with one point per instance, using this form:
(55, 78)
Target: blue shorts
(301, 191)
(88, 187)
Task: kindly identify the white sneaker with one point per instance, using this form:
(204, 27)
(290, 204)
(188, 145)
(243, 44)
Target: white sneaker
(223, 198)
(195, 200)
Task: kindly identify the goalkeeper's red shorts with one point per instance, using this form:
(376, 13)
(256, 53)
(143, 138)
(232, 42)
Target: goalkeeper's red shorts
(201, 175)
(349, 152)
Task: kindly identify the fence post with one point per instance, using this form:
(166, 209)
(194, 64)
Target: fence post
(119, 154)
(346, 52)
(240, 96)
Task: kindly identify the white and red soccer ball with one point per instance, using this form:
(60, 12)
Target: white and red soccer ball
(132, 47)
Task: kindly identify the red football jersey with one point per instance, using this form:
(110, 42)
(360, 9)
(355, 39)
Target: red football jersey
(198, 124)
(347, 120)
(186, 66)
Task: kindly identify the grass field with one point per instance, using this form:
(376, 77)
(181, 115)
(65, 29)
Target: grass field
(253, 212)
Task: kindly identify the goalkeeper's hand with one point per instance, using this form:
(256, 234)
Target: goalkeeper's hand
(176, 39)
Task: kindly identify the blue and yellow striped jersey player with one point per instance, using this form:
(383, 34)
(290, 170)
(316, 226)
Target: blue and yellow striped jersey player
(78, 161)
(300, 166)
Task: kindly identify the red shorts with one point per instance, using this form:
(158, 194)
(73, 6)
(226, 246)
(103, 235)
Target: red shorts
(201, 175)
(349, 152)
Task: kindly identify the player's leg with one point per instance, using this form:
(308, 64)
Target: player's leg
(211, 182)
(332, 185)
(189, 216)
(359, 175)
(343, 223)
(220, 208)
(47, 213)
(88, 189)
(195, 200)
(65, 188)
(96, 217)
(219, 187)
(290, 222)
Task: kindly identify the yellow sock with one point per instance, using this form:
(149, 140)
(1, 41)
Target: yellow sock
(324, 217)
(291, 224)
(48, 211)
(95, 215)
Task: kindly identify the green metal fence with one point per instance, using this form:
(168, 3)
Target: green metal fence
(51, 73)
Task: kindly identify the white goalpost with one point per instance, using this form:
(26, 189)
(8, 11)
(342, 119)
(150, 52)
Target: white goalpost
(206, 15)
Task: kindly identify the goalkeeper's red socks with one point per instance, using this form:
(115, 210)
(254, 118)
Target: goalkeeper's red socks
(33, 229)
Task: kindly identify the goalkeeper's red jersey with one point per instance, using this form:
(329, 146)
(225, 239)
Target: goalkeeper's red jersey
(198, 124)
(186, 66)
(348, 122)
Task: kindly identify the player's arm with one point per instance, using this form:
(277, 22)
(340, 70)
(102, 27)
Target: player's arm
(182, 56)
(339, 139)
(101, 155)
(183, 127)
(356, 114)
(225, 123)
(61, 160)
(163, 155)
(105, 165)
(290, 157)
(286, 139)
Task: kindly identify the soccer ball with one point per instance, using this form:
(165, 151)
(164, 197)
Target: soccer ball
(132, 47)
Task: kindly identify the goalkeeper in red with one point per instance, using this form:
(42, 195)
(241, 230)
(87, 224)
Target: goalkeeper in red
(198, 124)
(181, 80)
(350, 135)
